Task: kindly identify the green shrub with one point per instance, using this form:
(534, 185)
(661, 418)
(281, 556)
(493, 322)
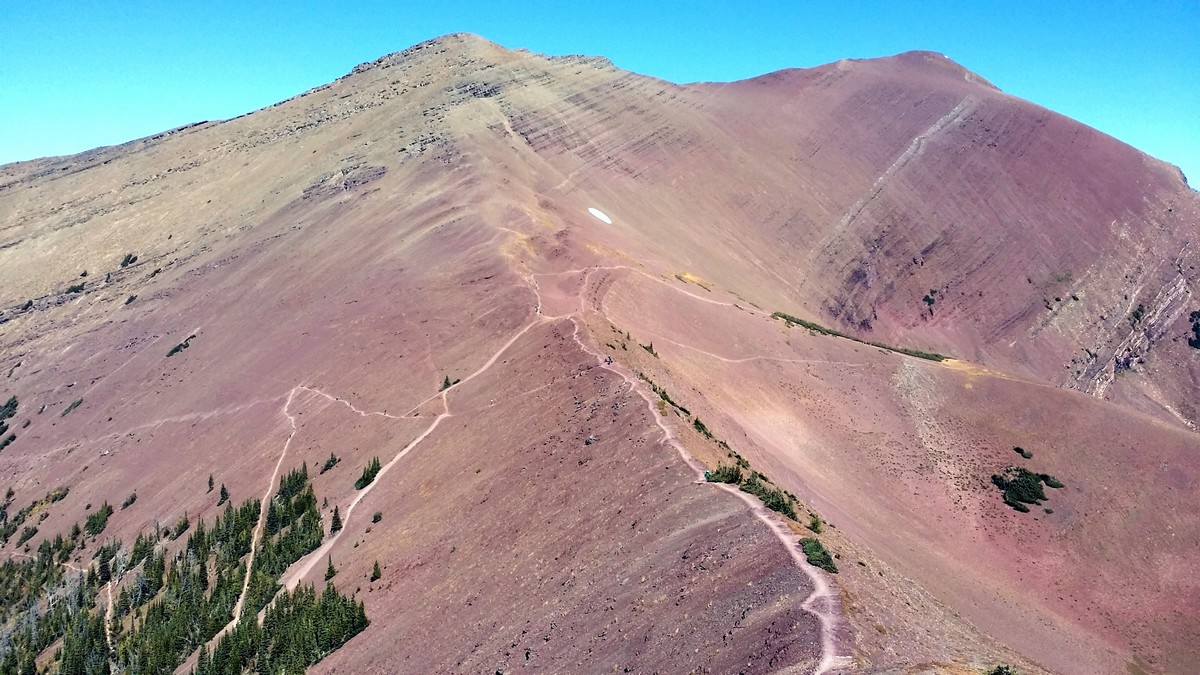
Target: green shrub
(376, 573)
(330, 463)
(129, 501)
(772, 498)
(368, 474)
(180, 527)
(128, 260)
(377, 517)
(817, 556)
(75, 288)
(662, 393)
(181, 346)
(699, 426)
(1023, 452)
(1021, 486)
(74, 404)
(818, 328)
(1050, 481)
(724, 474)
(1136, 316)
(97, 521)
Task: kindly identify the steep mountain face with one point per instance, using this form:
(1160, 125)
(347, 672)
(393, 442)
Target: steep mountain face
(402, 265)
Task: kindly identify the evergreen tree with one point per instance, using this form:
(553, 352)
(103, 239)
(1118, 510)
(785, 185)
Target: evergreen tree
(210, 483)
(330, 571)
(202, 661)
(376, 573)
(224, 495)
(336, 525)
(105, 571)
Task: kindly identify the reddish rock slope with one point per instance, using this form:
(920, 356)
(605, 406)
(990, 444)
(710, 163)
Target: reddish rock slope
(339, 255)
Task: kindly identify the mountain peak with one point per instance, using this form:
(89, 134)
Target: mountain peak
(939, 63)
(451, 45)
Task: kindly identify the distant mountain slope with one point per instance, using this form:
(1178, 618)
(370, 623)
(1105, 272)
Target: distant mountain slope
(402, 265)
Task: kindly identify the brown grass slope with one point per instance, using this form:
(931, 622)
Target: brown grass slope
(337, 255)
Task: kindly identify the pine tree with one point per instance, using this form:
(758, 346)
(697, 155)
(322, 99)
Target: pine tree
(336, 525)
(210, 482)
(330, 571)
(376, 573)
(105, 572)
(202, 665)
(224, 495)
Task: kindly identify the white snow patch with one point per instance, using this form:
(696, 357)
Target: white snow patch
(600, 215)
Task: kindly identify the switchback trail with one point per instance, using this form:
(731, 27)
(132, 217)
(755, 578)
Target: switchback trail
(306, 564)
(262, 514)
(822, 602)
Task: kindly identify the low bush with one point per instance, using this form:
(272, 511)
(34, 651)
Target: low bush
(724, 474)
(180, 527)
(1021, 486)
(181, 346)
(1050, 481)
(818, 328)
(814, 523)
(74, 404)
(330, 463)
(97, 521)
(772, 498)
(368, 475)
(817, 556)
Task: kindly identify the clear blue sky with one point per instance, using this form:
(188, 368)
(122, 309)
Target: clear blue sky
(77, 74)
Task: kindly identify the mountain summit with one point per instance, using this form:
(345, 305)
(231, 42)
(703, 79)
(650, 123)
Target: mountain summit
(555, 366)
